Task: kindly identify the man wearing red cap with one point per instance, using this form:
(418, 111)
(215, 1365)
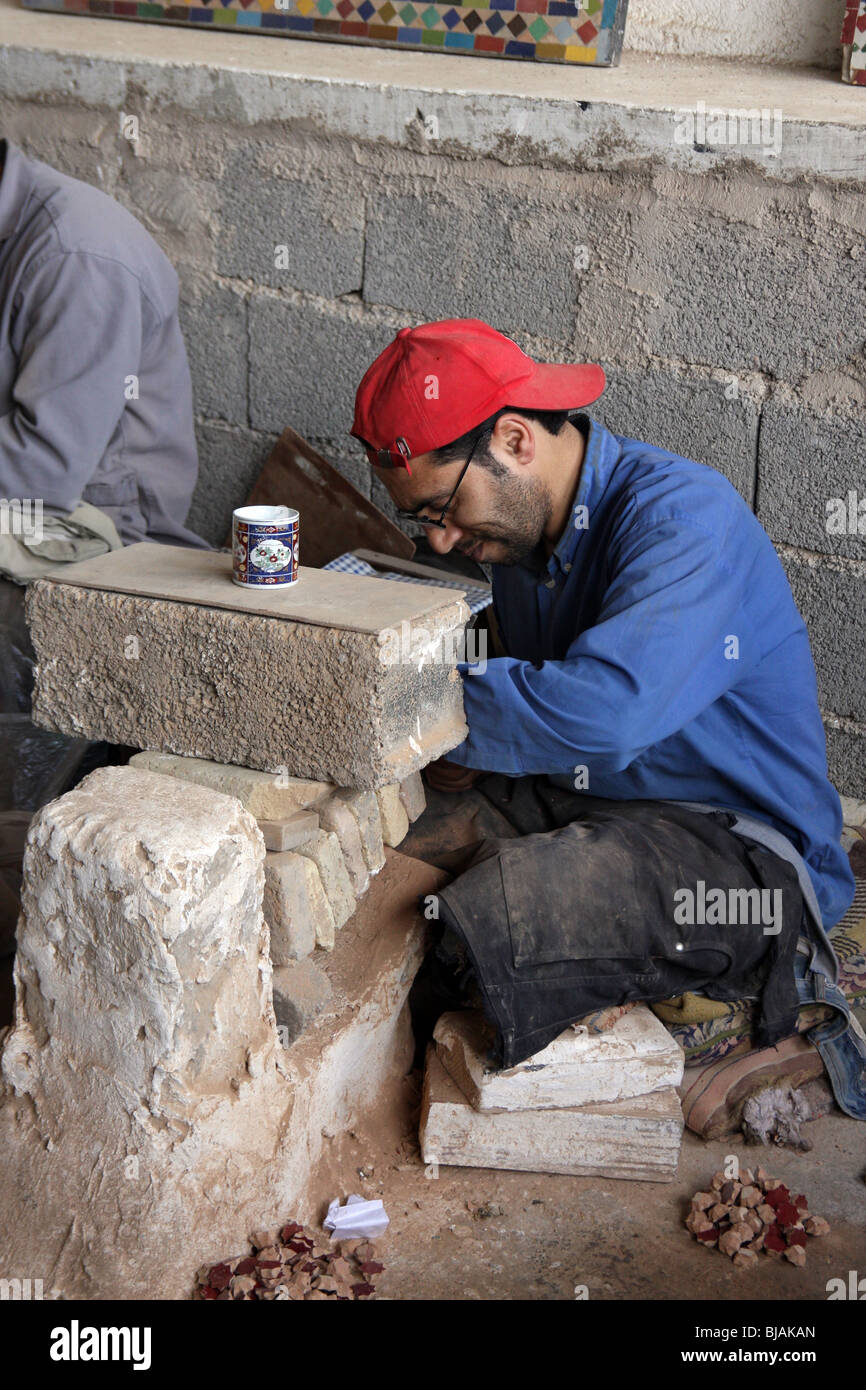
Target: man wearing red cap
(653, 733)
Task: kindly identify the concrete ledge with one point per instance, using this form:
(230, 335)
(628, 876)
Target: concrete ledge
(520, 113)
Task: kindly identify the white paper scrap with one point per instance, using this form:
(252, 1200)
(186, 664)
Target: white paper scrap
(357, 1220)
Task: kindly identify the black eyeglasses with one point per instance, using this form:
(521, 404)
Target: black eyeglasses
(434, 521)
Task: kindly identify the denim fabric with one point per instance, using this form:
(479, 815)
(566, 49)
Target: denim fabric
(840, 1041)
(558, 923)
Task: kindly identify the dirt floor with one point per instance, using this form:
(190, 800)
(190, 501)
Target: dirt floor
(470, 1233)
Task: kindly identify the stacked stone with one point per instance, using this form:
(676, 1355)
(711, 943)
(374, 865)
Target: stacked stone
(755, 1212)
(591, 1103)
(323, 843)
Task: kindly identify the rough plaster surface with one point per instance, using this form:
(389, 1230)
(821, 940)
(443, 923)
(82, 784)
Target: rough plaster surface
(231, 687)
(776, 31)
(723, 288)
(150, 1119)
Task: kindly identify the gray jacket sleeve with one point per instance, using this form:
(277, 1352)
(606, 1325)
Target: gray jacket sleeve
(77, 335)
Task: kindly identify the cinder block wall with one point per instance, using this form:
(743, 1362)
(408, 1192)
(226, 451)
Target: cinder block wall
(727, 306)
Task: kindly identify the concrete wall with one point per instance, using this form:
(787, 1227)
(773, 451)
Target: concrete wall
(774, 31)
(725, 297)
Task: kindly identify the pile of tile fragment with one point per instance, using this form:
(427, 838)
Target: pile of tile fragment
(293, 1263)
(743, 1217)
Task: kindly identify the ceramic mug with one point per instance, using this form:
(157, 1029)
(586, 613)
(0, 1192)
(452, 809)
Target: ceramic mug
(264, 547)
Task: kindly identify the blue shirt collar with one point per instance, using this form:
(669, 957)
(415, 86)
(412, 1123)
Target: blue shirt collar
(600, 457)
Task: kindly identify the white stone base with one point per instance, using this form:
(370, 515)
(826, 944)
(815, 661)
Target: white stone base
(637, 1055)
(638, 1138)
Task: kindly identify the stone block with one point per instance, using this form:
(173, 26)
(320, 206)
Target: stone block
(280, 835)
(301, 991)
(305, 234)
(832, 602)
(266, 795)
(145, 1093)
(392, 812)
(229, 462)
(296, 907)
(365, 808)
(282, 387)
(527, 260)
(412, 796)
(638, 1138)
(634, 1057)
(213, 320)
(765, 290)
(808, 463)
(846, 759)
(687, 413)
(323, 849)
(336, 816)
(335, 679)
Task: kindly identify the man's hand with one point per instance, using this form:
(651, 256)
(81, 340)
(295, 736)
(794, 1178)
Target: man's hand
(450, 777)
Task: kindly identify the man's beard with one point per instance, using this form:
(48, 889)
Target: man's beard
(523, 507)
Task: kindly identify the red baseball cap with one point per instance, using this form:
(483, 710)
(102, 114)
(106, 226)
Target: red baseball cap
(435, 382)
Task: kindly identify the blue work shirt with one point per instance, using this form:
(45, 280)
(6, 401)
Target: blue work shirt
(658, 654)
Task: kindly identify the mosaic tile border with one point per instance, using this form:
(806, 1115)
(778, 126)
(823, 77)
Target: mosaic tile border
(554, 31)
(854, 43)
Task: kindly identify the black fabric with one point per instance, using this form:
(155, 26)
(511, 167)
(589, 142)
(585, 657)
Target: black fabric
(577, 913)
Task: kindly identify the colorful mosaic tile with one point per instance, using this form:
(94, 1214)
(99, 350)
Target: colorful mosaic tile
(854, 43)
(555, 31)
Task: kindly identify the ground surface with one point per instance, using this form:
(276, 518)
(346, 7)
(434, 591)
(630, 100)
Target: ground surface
(479, 1234)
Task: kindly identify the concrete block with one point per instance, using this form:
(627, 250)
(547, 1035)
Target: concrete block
(301, 991)
(324, 851)
(833, 604)
(638, 1138)
(392, 812)
(766, 289)
(282, 387)
(318, 220)
(145, 1092)
(846, 759)
(688, 414)
(634, 1057)
(213, 321)
(230, 460)
(808, 463)
(297, 909)
(412, 796)
(280, 835)
(334, 679)
(337, 817)
(365, 808)
(526, 260)
(266, 795)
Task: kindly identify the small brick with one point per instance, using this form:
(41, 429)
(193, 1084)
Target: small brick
(412, 796)
(280, 835)
(336, 816)
(324, 850)
(395, 821)
(745, 1259)
(296, 907)
(365, 808)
